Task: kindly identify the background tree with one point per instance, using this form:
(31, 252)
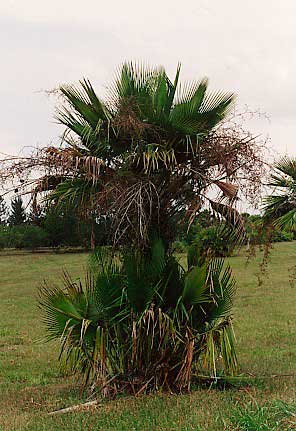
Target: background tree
(17, 214)
(61, 225)
(3, 211)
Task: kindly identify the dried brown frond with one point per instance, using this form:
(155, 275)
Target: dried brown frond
(128, 121)
(229, 190)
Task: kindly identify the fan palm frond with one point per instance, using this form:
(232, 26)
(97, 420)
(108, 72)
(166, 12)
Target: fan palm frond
(223, 288)
(202, 111)
(287, 166)
(195, 286)
(85, 102)
(280, 208)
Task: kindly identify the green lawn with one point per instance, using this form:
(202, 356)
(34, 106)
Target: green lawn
(31, 383)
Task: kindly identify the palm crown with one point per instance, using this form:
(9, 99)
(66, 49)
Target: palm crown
(143, 154)
(145, 105)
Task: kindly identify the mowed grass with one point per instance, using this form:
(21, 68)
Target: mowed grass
(31, 383)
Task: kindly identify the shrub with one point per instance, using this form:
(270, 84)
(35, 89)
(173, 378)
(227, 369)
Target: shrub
(34, 237)
(22, 236)
(180, 247)
(258, 232)
(142, 322)
(3, 236)
(280, 235)
(214, 241)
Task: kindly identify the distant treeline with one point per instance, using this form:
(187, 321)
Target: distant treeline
(212, 235)
(62, 227)
(48, 227)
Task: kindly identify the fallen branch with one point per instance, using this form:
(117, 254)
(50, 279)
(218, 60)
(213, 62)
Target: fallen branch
(75, 408)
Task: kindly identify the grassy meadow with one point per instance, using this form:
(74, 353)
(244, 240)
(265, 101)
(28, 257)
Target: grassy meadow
(31, 384)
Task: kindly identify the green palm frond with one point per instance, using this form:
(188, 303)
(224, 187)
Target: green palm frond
(144, 271)
(108, 289)
(136, 273)
(276, 206)
(172, 289)
(288, 220)
(223, 288)
(78, 193)
(85, 102)
(191, 92)
(219, 343)
(200, 111)
(172, 90)
(280, 207)
(195, 286)
(72, 121)
(63, 309)
(133, 81)
(158, 258)
(287, 166)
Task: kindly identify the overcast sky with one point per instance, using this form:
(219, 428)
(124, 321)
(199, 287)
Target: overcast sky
(248, 47)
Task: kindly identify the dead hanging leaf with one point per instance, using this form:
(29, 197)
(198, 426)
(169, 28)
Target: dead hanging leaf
(70, 159)
(192, 212)
(232, 217)
(230, 190)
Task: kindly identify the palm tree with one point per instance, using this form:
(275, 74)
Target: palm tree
(143, 158)
(280, 208)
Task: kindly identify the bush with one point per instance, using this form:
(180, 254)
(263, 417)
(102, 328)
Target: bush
(22, 236)
(34, 237)
(3, 236)
(180, 247)
(143, 322)
(282, 236)
(213, 241)
(259, 233)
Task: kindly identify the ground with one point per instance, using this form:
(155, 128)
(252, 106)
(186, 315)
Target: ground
(31, 383)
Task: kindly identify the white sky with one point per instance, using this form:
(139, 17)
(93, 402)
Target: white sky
(248, 47)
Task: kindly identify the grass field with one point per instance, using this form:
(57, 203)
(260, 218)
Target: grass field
(265, 323)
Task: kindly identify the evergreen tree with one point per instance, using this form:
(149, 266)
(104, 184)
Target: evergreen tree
(3, 211)
(36, 216)
(17, 214)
